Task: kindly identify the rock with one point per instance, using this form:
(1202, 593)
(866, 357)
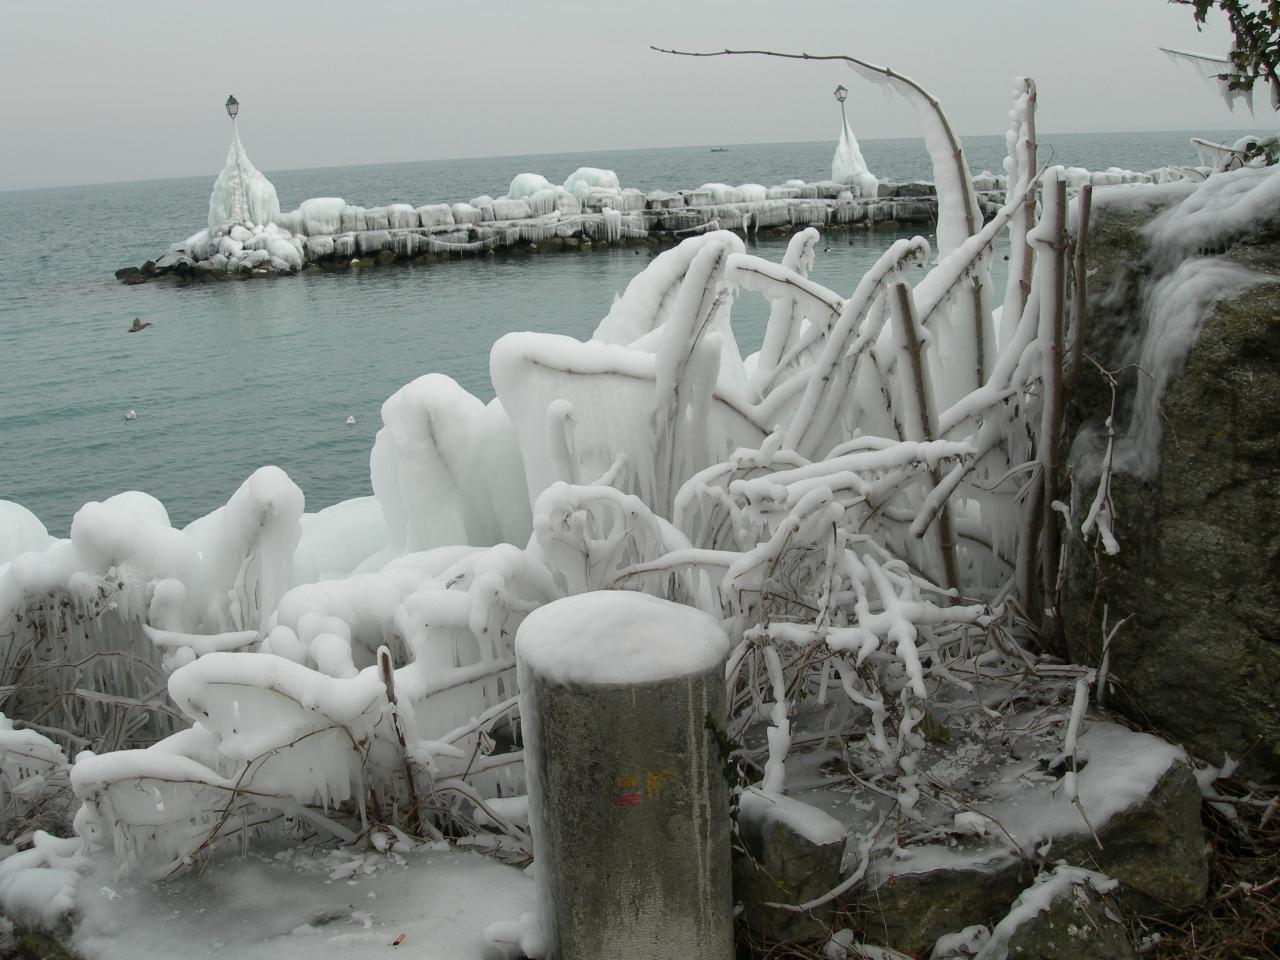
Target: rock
(1077, 923)
(792, 855)
(386, 257)
(1199, 542)
(1137, 792)
(131, 276)
(915, 212)
(1156, 849)
(370, 242)
(909, 913)
(35, 944)
(915, 189)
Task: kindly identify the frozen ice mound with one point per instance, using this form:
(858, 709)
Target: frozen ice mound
(241, 194)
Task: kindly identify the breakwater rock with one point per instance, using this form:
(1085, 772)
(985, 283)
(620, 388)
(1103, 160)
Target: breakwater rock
(327, 233)
(249, 237)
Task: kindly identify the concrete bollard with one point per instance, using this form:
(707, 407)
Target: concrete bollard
(628, 801)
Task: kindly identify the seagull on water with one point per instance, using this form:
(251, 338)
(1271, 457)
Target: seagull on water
(351, 421)
(131, 415)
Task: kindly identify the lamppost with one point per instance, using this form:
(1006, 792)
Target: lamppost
(841, 94)
(239, 202)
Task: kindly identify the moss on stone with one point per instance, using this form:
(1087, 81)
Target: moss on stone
(1199, 567)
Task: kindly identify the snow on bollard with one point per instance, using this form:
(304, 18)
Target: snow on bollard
(620, 697)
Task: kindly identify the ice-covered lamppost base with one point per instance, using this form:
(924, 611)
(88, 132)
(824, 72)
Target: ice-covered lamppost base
(622, 695)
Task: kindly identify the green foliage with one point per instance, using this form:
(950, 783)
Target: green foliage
(1255, 53)
(730, 761)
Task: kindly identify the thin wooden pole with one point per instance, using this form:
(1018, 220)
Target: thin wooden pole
(902, 307)
(1050, 441)
(1080, 285)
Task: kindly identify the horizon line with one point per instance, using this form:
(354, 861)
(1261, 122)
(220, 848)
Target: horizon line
(552, 153)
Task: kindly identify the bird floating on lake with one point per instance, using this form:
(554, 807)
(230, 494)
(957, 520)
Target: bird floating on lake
(131, 415)
(351, 421)
(138, 325)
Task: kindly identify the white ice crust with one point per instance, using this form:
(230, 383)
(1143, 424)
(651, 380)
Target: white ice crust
(20, 531)
(618, 637)
(241, 194)
(849, 167)
(816, 826)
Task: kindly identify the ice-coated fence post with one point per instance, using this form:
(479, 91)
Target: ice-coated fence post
(622, 701)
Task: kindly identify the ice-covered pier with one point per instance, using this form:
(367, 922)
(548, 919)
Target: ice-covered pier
(248, 235)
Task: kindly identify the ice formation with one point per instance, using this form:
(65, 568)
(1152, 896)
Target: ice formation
(848, 166)
(241, 194)
(1215, 71)
(858, 506)
(1185, 281)
(596, 639)
(647, 459)
(20, 531)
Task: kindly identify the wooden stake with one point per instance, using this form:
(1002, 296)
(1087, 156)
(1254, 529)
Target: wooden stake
(1080, 285)
(1050, 440)
(903, 308)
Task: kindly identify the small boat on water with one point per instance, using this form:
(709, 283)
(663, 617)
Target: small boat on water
(719, 149)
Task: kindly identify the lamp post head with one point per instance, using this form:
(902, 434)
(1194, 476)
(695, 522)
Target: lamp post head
(233, 107)
(841, 93)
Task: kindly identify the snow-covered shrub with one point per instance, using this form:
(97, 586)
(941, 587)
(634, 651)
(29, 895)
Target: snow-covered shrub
(34, 791)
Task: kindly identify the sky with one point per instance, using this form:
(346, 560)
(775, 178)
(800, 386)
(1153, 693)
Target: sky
(100, 92)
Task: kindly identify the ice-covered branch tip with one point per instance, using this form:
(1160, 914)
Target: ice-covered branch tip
(958, 213)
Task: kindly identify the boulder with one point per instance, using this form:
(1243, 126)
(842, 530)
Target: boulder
(1154, 847)
(1064, 915)
(1198, 567)
(791, 855)
(910, 912)
(915, 189)
(1077, 926)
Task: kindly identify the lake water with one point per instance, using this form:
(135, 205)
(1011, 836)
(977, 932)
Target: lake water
(232, 376)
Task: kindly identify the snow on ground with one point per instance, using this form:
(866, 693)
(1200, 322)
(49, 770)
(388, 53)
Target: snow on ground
(292, 903)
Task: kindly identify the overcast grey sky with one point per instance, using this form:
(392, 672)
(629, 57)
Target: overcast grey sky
(129, 91)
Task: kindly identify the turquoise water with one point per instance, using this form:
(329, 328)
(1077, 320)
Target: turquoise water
(232, 376)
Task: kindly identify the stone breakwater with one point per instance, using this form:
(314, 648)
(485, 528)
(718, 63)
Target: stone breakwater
(330, 234)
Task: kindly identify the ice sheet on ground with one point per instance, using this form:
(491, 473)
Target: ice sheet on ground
(285, 903)
(990, 791)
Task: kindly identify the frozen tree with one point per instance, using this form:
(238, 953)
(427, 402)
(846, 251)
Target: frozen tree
(1255, 50)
